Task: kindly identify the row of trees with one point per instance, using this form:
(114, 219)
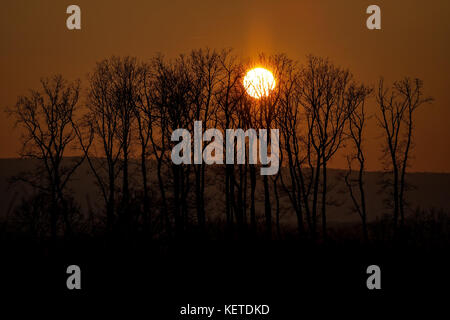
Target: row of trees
(131, 108)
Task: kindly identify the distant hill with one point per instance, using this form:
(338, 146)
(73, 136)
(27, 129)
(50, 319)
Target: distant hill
(431, 190)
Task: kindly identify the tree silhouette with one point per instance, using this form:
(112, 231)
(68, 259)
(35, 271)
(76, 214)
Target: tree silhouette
(132, 109)
(233, 107)
(324, 90)
(46, 119)
(357, 96)
(397, 106)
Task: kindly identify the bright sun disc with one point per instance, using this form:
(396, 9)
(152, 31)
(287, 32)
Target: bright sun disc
(259, 82)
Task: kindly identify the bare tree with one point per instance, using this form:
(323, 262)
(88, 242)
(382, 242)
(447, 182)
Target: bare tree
(205, 69)
(324, 90)
(103, 122)
(397, 106)
(356, 124)
(143, 113)
(113, 98)
(126, 78)
(46, 118)
(293, 149)
(172, 89)
(265, 113)
(231, 104)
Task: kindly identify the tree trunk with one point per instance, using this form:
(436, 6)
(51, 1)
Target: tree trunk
(110, 204)
(363, 203)
(252, 198)
(314, 204)
(146, 197)
(324, 199)
(267, 207)
(277, 212)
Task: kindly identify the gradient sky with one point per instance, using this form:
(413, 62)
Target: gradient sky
(414, 41)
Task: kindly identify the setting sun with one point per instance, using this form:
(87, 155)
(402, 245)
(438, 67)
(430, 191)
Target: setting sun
(259, 82)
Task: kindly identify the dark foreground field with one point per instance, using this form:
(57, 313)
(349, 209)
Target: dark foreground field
(292, 277)
(156, 276)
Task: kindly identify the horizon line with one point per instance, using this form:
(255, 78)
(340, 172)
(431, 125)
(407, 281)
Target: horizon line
(331, 168)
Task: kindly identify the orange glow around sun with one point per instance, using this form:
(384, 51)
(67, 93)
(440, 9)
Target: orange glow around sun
(258, 82)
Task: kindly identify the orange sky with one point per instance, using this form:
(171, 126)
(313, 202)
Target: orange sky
(414, 41)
